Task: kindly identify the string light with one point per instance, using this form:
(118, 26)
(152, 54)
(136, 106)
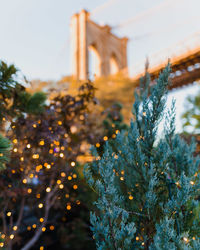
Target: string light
(51, 227)
(48, 189)
(3, 236)
(68, 207)
(41, 143)
(12, 236)
(130, 197)
(117, 131)
(73, 163)
(28, 145)
(22, 158)
(105, 138)
(192, 182)
(75, 187)
(34, 226)
(66, 195)
(58, 182)
(63, 174)
(15, 228)
(43, 229)
(15, 141)
(60, 123)
(61, 155)
(98, 145)
(34, 125)
(15, 150)
(38, 196)
(1, 244)
(24, 181)
(35, 156)
(41, 248)
(29, 228)
(29, 190)
(41, 219)
(40, 205)
(74, 176)
(186, 239)
(137, 238)
(69, 178)
(61, 186)
(9, 214)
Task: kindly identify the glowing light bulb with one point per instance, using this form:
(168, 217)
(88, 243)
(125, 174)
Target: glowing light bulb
(75, 187)
(48, 189)
(12, 236)
(61, 155)
(105, 138)
(130, 197)
(61, 186)
(98, 145)
(28, 145)
(58, 182)
(43, 229)
(63, 174)
(15, 141)
(73, 163)
(69, 178)
(9, 214)
(41, 143)
(68, 207)
(41, 219)
(40, 205)
(15, 228)
(24, 181)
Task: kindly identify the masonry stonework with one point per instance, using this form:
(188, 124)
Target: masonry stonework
(86, 34)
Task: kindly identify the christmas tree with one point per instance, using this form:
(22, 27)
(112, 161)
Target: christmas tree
(148, 187)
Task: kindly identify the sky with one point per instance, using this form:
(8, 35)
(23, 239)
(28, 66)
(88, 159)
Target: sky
(35, 33)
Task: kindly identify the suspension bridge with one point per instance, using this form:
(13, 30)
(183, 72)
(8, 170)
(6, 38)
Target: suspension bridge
(86, 34)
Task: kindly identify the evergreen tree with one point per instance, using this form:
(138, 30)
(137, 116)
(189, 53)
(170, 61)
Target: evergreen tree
(4, 151)
(112, 125)
(147, 188)
(191, 116)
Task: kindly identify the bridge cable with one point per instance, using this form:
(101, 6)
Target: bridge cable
(146, 13)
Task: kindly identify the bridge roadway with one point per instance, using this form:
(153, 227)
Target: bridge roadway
(185, 69)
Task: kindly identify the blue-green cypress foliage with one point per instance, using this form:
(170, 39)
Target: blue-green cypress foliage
(148, 190)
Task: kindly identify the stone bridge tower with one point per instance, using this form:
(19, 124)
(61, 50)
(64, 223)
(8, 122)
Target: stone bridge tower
(87, 34)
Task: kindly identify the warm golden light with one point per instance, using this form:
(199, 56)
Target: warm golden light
(15, 141)
(24, 181)
(75, 187)
(130, 197)
(48, 189)
(61, 155)
(41, 219)
(68, 207)
(63, 174)
(73, 163)
(40, 205)
(9, 214)
(12, 236)
(41, 143)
